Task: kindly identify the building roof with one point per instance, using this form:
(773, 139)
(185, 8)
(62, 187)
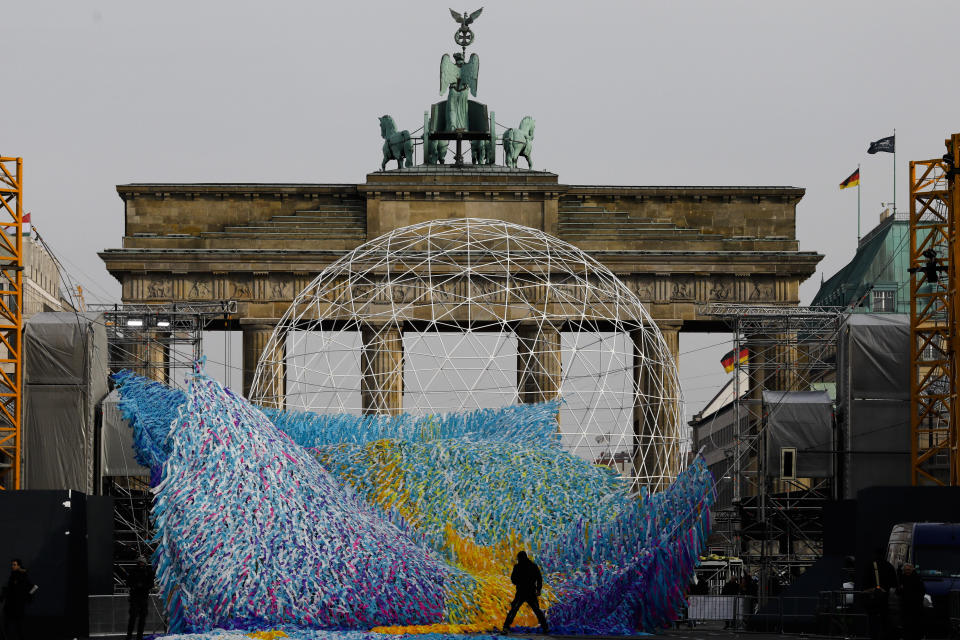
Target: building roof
(847, 286)
(724, 397)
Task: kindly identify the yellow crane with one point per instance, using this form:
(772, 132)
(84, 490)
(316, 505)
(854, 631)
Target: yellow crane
(934, 305)
(11, 321)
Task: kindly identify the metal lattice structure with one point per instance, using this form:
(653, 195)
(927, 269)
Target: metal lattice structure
(934, 202)
(158, 341)
(454, 315)
(155, 340)
(11, 320)
(775, 523)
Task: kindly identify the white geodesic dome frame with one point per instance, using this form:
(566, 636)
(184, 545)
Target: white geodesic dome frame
(481, 304)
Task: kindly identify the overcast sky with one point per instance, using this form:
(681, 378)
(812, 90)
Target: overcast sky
(641, 93)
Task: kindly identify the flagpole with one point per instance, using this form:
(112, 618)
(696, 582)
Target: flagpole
(859, 178)
(894, 172)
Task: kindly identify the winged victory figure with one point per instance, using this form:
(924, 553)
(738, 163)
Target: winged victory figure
(458, 78)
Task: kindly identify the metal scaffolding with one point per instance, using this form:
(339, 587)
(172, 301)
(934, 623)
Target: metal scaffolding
(934, 203)
(775, 524)
(11, 321)
(155, 341)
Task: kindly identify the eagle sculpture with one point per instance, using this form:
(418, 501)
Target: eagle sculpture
(467, 18)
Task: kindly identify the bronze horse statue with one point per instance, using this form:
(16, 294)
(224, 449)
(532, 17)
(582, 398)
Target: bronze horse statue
(519, 142)
(397, 145)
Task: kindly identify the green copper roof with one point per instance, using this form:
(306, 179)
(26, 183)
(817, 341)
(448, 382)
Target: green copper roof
(847, 286)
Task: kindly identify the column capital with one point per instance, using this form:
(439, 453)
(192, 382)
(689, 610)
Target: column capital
(379, 324)
(555, 325)
(669, 324)
(254, 323)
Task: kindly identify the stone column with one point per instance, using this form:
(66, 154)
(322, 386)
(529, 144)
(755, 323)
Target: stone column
(762, 376)
(156, 356)
(539, 362)
(130, 353)
(256, 335)
(381, 368)
(786, 355)
(656, 453)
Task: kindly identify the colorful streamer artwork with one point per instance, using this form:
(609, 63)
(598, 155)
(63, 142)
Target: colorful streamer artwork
(356, 527)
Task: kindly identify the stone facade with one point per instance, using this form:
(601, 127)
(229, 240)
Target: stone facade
(41, 281)
(260, 244)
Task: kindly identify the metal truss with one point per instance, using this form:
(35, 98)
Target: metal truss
(11, 320)
(153, 340)
(934, 202)
(132, 530)
(775, 524)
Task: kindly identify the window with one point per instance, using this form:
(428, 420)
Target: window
(884, 301)
(788, 463)
(934, 349)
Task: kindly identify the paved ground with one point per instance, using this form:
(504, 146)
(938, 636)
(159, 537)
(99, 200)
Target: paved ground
(703, 631)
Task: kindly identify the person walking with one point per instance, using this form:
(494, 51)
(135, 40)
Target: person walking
(911, 592)
(15, 597)
(140, 584)
(529, 582)
(879, 579)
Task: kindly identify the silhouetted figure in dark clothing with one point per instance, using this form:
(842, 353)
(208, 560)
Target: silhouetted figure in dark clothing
(749, 590)
(730, 588)
(140, 583)
(880, 578)
(16, 595)
(911, 591)
(529, 582)
(699, 588)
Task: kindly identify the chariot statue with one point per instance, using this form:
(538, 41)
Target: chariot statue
(458, 119)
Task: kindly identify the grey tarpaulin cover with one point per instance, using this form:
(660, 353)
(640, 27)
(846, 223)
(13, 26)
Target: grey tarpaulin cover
(804, 420)
(876, 347)
(873, 400)
(116, 442)
(65, 376)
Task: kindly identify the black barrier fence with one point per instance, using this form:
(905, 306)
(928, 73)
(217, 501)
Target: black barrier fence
(109, 616)
(840, 614)
(954, 615)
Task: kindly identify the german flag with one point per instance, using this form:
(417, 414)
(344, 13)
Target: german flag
(731, 359)
(852, 181)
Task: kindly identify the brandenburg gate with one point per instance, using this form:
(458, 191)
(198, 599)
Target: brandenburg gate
(260, 244)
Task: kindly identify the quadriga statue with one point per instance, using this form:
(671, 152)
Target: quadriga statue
(481, 151)
(519, 142)
(435, 151)
(397, 145)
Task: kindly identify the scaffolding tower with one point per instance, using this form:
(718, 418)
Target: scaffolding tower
(11, 321)
(157, 341)
(154, 340)
(934, 343)
(775, 524)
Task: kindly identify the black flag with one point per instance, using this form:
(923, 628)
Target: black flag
(887, 145)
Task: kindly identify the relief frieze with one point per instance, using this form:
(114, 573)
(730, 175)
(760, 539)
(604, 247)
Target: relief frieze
(199, 290)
